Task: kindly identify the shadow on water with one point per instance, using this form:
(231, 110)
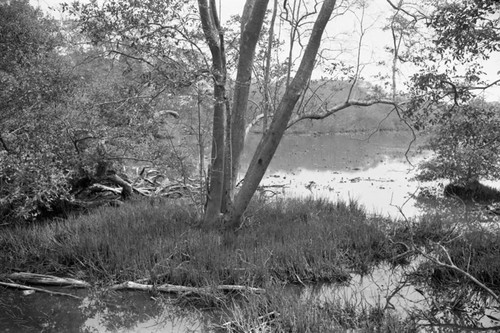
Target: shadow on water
(95, 312)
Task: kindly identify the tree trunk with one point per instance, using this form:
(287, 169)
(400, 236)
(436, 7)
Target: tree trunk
(271, 139)
(251, 26)
(267, 93)
(215, 40)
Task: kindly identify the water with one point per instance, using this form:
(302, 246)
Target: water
(385, 288)
(110, 312)
(374, 170)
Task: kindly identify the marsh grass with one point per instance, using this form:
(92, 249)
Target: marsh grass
(281, 311)
(296, 241)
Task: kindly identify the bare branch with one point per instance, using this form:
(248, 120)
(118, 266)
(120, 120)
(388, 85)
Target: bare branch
(342, 106)
(452, 266)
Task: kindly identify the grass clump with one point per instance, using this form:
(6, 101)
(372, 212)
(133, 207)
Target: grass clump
(282, 311)
(294, 241)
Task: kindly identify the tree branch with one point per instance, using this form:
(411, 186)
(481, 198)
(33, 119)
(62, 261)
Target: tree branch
(340, 107)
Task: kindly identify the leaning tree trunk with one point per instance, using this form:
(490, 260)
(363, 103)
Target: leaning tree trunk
(271, 139)
(251, 25)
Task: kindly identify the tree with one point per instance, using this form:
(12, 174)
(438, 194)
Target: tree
(466, 144)
(136, 31)
(33, 80)
(74, 113)
(444, 93)
(271, 139)
(215, 39)
(462, 35)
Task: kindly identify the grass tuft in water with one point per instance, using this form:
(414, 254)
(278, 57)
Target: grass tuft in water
(282, 311)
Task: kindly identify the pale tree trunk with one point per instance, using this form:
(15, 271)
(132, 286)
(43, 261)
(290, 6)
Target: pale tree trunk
(267, 92)
(201, 143)
(214, 37)
(251, 25)
(271, 139)
(227, 190)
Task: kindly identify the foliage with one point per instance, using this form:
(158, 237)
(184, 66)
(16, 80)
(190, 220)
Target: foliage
(67, 108)
(467, 29)
(33, 81)
(160, 36)
(450, 73)
(466, 144)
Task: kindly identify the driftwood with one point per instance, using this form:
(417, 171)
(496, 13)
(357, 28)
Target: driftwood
(170, 288)
(21, 286)
(48, 280)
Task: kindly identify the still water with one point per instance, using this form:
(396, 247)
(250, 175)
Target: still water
(375, 170)
(96, 312)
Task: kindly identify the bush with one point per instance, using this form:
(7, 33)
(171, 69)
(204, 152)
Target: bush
(466, 145)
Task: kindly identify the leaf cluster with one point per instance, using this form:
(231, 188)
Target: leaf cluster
(468, 28)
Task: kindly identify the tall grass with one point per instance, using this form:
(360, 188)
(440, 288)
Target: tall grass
(281, 311)
(289, 241)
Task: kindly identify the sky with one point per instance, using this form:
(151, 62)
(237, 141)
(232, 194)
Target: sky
(346, 29)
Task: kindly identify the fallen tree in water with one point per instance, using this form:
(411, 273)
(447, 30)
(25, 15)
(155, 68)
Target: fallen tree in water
(50, 280)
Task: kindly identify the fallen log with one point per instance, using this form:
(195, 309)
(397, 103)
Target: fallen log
(170, 288)
(21, 286)
(48, 280)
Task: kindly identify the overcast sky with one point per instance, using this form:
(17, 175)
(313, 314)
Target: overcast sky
(346, 28)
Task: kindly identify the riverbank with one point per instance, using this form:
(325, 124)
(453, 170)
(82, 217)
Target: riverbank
(281, 243)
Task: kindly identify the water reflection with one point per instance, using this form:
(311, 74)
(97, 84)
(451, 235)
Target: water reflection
(340, 152)
(394, 289)
(374, 172)
(96, 312)
(385, 288)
